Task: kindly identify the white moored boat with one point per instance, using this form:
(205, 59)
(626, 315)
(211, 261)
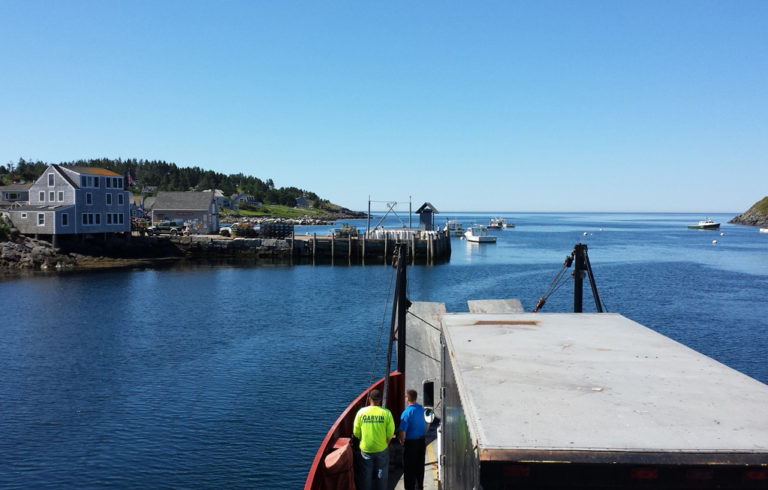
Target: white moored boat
(495, 223)
(706, 224)
(478, 234)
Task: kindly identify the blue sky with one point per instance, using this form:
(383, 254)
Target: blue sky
(472, 106)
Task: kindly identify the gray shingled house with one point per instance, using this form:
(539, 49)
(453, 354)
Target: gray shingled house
(74, 201)
(197, 209)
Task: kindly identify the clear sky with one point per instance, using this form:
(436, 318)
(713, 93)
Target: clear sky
(472, 106)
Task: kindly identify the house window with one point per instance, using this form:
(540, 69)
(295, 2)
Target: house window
(88, 198)
(120, 181)
(52, 196)
(98, 219)
(23, 215)
(90, 181)
(109, 198)
(50, 180)
(40, 219)
(121, 218)
(61, 196)
(42, 196)
(65, 219)
(85, 218)
(95, 181)
(120, 199)
(109, 218)
(83, 181)
(107, 182)
(115, 183)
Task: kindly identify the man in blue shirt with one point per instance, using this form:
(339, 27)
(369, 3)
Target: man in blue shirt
(411, 434)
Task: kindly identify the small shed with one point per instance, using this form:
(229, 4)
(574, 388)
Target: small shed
(427, 214)
(197, 209)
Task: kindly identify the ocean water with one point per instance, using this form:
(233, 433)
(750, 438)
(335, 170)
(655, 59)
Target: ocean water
(221, 376)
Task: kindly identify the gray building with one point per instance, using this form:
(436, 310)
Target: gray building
(74, 201)
(427, 214)
(198, 210)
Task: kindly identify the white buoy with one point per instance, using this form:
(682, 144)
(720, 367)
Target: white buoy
(714, 241)
(585, 233)
(722, 234)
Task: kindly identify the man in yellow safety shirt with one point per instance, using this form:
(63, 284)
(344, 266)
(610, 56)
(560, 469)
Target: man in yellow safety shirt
(374, 427)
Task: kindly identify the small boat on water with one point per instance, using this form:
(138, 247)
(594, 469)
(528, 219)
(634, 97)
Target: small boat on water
(454, 228)
(495, 223)
(499, 223)
(706, 224)
(478, 234)
(763, 230)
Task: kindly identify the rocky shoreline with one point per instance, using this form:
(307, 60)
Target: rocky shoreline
(19, 253)
(24, 254)
(757, 215)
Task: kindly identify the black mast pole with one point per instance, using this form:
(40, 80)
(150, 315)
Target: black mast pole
(579, 251)
(402, 307)
(397, 324)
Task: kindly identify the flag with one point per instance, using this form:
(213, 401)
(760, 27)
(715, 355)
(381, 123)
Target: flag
(130, 180)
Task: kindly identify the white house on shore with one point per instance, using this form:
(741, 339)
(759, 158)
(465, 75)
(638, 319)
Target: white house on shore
(68, 200)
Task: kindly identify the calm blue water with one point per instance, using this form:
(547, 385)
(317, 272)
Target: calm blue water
(228, 377)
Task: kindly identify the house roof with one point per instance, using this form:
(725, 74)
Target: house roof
(16, 187)
(183, 201)
(91, 171)
(149, 202)
(425, 206)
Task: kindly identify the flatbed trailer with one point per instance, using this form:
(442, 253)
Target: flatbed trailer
(551, 400)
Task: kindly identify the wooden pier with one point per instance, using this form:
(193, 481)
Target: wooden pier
(424, 247)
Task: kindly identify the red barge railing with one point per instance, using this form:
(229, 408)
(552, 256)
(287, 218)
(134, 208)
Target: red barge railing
(323, 477)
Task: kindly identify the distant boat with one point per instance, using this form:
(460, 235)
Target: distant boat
(478, 234)
(454, 228)
(495, 223)
(499, 223)
(706, 224)
(763, 230)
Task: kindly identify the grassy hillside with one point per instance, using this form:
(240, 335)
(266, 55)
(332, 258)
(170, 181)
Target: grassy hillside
(279, 211)
(761, 206)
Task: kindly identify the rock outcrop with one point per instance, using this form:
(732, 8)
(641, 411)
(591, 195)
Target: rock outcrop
(23, 253)
(757, 215)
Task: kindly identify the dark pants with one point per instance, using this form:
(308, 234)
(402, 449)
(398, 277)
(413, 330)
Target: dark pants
(413, 463)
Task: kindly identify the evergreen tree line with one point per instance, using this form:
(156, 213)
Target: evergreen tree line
(162, 176)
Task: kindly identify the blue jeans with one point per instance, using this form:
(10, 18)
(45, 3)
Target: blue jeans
(373, 471)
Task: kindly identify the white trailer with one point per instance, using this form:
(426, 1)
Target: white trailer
(548, 400)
